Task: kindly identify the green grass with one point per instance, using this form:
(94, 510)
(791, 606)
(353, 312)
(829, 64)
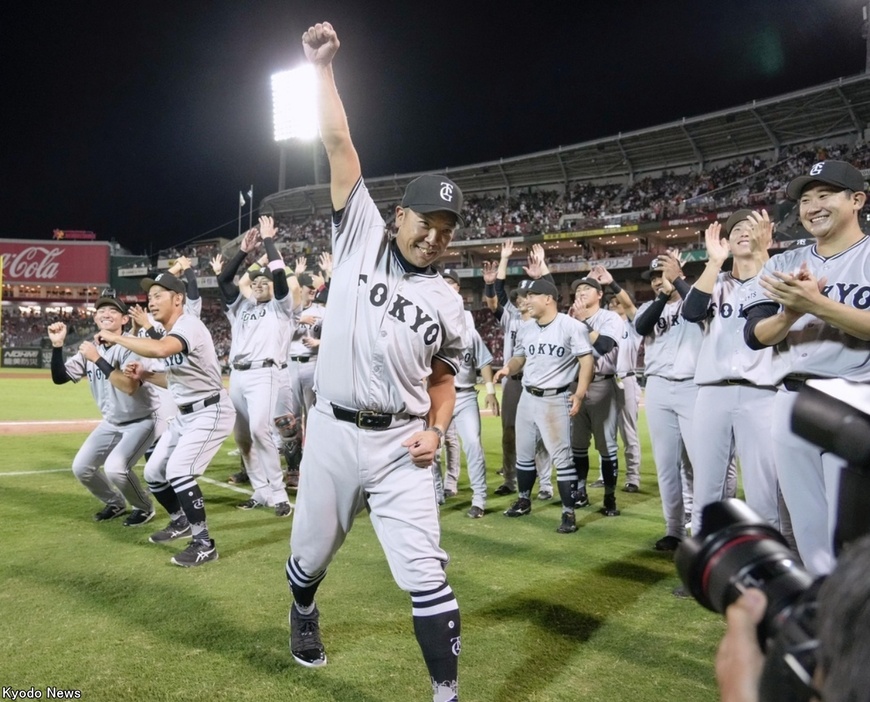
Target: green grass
(546, 617)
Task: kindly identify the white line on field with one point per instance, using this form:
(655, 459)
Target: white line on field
(234, 488)
(34, 472)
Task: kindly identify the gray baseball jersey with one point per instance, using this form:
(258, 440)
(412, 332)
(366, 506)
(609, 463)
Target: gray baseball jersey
(671, 351)
(476, 355)
(194, 373)
(115, 405)
(551, 351)
(302, 331)
(509, 322)
(814, 346)
(629, 349)
(400, 322)
(608, 324)
(724, 354)
(260, 331)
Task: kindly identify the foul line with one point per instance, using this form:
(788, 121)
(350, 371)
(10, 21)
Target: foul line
(234, 488)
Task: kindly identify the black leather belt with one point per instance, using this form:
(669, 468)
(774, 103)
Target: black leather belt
(518, 376)
(365, 419)
(300, 359)
(602, 377)
(248, 365)
(468, 389)
(199, 404)
(541, 392)
(734, 381)
(630, 374)
(795, 382)
(133, 421)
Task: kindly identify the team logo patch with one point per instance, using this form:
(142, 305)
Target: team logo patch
(446, 192)
(817, 168)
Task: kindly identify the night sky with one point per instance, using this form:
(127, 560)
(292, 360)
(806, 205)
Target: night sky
(143, 121)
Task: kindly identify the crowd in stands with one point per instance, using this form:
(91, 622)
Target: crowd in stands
(27, 330)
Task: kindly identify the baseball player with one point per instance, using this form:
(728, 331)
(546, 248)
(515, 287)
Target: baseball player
(598, 413)
(547, 350)
(627, 387)
(261, 326)
(811, 303)
(304, 344)
(510, 314)
(466, 414)
(130, 423)
(735, 384)
(671, 350)
(450, 453)
(390, 347)
(205, 415)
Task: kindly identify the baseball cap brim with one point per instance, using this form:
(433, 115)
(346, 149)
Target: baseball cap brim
(738, 216)
(148, 283)
(112, 302)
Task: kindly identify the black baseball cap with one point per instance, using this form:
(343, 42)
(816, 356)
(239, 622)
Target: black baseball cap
(738, 216)
(452, 274)
(434, 193)
(164, 280)
(837, 173)
(261, 271)
(591, 282)
(541, 287)
(112, 302)
(655, 268)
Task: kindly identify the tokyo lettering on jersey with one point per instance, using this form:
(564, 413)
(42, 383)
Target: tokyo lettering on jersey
(115, 405)
(551, 351)
(260, 331)
(386, 325)
(671, 351)
(814, 346)
(724, 354)
(194, 373)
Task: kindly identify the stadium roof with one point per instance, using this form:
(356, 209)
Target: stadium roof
(839, 109)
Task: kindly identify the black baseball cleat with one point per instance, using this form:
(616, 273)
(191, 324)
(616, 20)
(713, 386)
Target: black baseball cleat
(475, 512)
(283, 509)
(109, 512)
(609, 508)
(240, 478)
(250, 504)
(138, 517)
(504, 490)
(597, 484)
(519, 508)
(667, 543)
(305, 644)
(568, 525)
(198, 551)
(630, 487)
(174, 530)
(581, 498)
(545, 495)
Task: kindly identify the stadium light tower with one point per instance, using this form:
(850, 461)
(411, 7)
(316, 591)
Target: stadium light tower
(294, 107)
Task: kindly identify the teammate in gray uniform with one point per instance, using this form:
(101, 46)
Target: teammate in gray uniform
(548, 348)
(811, 303)
(511, 313)
(130, 423)
(466, 414)
(598, 413)
(735, 384)
(304, 346)
(671, 351)
(261, 328)
(390, 347)
(205, 415)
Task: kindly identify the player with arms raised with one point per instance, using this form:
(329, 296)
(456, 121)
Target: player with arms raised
(391, 345)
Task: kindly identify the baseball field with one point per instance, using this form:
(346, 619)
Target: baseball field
(93, 611)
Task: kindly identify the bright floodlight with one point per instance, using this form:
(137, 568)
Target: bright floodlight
(294, 103)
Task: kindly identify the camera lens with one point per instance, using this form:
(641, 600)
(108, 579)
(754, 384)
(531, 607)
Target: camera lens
(737, 550)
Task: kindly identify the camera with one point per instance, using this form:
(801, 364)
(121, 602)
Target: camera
(736, 549)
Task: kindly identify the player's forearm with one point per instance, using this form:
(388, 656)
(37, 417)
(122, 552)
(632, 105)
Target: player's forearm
(585, 374)
(853, 321)
(192, 285)
(515, 364)
(149, 348)
(335, 133)
(124, 383)
(59, 376)
(769, 331)
(442, 396)
(707, 280)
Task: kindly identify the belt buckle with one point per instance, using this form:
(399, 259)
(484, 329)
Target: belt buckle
(362, 416)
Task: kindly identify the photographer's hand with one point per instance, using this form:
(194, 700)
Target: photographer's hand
(739, 661)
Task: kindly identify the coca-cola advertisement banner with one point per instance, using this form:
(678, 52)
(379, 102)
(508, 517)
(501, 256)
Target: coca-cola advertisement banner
(54, 262)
